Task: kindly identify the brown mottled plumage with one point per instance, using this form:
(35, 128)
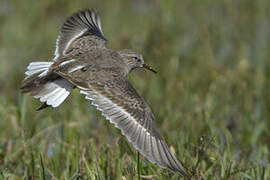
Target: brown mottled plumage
(83, 61)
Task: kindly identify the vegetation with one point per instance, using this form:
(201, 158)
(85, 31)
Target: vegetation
(210, 97)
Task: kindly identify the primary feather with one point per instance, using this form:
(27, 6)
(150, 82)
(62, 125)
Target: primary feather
(83, 23)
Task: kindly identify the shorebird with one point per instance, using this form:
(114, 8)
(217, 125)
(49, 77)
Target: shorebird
(83, 61)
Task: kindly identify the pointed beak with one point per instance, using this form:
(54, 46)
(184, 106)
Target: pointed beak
(149, 68)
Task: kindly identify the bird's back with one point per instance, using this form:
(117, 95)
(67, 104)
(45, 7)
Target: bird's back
(100, 61)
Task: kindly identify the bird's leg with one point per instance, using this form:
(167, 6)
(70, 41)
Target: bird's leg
(138, 165)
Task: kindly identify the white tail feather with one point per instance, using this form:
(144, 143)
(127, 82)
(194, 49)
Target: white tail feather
(37, 67)
(55, 92)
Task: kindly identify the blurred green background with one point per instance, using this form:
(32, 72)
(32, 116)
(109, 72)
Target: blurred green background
(210, 97)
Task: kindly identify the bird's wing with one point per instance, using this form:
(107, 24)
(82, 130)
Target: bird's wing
(80, 32)
(122, 106)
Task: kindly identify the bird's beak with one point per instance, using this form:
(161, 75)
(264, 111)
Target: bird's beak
(149, 68)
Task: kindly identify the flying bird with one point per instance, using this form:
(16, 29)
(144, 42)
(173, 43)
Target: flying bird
(83, 61)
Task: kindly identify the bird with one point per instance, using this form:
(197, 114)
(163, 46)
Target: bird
(83, 61)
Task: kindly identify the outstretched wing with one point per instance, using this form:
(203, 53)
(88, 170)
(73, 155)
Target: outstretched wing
(122, 106)
(81, 24)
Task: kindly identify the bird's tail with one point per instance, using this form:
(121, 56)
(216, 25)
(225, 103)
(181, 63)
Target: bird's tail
(42, 84)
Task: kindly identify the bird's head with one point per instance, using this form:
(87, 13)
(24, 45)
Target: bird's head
(134, 60)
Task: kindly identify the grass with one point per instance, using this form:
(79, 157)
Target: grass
(210, 96)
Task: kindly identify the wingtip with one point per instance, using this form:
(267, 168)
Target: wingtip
(184, 173)
(182, 170)
(81, 23)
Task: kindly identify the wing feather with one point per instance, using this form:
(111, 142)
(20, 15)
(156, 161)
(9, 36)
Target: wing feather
(135, 120)
(82, 23)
